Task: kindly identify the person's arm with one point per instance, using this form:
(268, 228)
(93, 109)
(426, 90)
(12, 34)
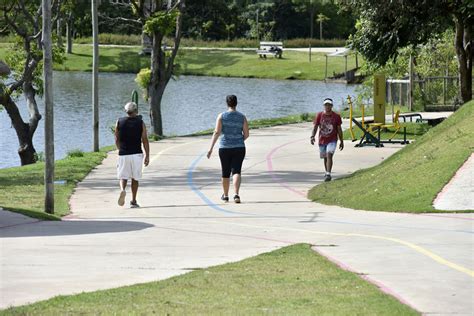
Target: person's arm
(341, 139)
(116, 133)
(215, 135)
(146, 145)
(245, 129)
(313, 133)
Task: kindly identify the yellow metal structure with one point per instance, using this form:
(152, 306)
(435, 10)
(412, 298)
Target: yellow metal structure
(379, 98)
(396, 124)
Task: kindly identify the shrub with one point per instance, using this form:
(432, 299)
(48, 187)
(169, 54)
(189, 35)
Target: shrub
(75, 153)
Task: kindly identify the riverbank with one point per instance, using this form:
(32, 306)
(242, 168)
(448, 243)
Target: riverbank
(23, 187)
(220, 63)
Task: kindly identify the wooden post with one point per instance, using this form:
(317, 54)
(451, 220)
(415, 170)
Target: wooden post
(48, 108)
(445, 83)
(357, 60)
(345, 68)
(95, 75)
(326, 72)
(402, 102)
(410, 85)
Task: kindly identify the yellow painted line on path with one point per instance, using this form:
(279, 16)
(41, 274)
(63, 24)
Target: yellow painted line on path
(161, 152)
(418, 249)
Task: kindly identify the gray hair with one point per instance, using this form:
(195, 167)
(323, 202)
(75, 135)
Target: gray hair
(131, 107)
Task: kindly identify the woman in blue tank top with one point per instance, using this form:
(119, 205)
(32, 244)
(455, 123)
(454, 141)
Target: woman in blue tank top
(235, 130)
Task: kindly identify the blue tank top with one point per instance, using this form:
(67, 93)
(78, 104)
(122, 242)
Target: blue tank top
(232, 128)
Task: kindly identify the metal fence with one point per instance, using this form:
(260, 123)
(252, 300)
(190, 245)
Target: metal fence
(429, 93)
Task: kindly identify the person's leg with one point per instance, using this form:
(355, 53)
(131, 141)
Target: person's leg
(236, 179)
(225, 186)
(237, 161)
(122, 175)
(226, 170)
(330, 149)
(137, 167)
(328, 162)
(323, 155)
(134, 190)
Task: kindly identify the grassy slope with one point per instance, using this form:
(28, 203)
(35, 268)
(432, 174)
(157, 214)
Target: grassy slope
(290, 281)
(411, 178)
(294, 65)
(23, 187)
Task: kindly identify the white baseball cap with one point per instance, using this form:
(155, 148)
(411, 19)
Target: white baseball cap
(131, 107)
(327, 101)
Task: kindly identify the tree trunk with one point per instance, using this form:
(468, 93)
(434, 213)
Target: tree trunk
(157, 84)
(26, 151)
(162, 70)
(156, 95)
(463, 45)
(69, 31)
(59, 31)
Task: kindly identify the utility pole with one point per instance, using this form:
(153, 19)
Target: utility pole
(95, 75)
(48, 108)
(311, 27)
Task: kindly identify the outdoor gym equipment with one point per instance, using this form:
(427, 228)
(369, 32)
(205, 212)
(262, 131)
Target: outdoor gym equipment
(371, 130)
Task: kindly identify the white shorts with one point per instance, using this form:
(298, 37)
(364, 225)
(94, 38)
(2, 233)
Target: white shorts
(130, 167)
(324, 150)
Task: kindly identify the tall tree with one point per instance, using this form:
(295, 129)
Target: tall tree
(48, 102)
(321, 19)
(23, 18)
(161, 18)
(385, 26)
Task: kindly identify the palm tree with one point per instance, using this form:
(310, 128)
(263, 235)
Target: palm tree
(321, 18)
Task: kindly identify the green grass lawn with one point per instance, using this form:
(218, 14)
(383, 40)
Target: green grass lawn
(290, 281)
(293, 65)
(261, 123)
(23, 187)
(409, 180)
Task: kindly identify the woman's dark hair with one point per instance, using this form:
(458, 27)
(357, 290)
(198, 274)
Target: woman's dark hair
(231, 100)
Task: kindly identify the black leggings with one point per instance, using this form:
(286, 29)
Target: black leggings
(231, 160)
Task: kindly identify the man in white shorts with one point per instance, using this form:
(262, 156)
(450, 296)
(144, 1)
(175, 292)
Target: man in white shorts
(130, 134)
(329, 124)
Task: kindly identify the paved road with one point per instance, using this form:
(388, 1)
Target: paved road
(424, 260)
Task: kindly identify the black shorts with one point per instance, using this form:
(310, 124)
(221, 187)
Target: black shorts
(231, 160)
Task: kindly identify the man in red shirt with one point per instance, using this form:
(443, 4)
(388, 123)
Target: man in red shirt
(329, 124)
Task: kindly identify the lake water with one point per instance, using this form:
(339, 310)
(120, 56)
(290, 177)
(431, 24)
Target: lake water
(190, 104)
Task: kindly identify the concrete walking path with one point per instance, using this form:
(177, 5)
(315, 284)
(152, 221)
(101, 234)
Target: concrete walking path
(458, 194)
(426, 261)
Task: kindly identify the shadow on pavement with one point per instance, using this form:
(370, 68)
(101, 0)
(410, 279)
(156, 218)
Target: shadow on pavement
(74, 227)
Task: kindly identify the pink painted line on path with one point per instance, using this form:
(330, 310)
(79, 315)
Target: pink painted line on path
(274, 177)
(448, 216)
(381, 286)
(288, 187)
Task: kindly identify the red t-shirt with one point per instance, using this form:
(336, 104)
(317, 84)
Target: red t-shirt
(328, 124)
